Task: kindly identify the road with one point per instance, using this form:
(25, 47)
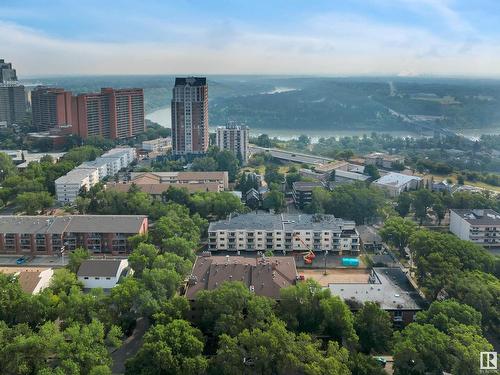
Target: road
(129, 347)
(36, 261)
(291, 156)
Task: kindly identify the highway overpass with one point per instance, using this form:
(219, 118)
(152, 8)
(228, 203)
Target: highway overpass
(290, 156)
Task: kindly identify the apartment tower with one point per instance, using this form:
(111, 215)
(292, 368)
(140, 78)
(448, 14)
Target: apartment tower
(12, 96)
(115, 114)
(7, 74)
(190, 116)
(234, 138)
(51, 108)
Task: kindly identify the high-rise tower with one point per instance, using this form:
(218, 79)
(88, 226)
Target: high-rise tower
(190, 116)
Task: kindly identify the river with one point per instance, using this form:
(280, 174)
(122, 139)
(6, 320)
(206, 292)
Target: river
(162, 116)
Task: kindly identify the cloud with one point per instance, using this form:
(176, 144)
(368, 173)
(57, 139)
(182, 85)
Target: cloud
(326, 44)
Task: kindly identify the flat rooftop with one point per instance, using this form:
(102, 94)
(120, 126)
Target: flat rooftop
(479, 216)
(306, 186)
(351, 175)
(72, 223)
(389, 287)
(396, 179)
(280, 222)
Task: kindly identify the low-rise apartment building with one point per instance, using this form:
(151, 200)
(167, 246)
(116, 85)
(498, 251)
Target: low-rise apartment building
(264, 276)
(390, 288)
(48, 235)
(383, 160)
(156, 183)
(302, 192)
(481, 226)
(283, 232)
(157, 145)
(90, 173)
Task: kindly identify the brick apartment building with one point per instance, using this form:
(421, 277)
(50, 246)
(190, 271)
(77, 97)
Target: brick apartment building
(51, 108)
(46, 235)
(115, 114)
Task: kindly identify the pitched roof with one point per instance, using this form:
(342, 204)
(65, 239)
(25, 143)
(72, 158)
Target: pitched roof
(263, 276)
(100, 267)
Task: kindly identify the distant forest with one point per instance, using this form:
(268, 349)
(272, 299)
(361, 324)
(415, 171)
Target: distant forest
(373, 104)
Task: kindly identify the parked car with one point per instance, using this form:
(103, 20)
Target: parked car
(21, 260)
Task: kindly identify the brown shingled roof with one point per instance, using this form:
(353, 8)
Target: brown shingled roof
(265, 276)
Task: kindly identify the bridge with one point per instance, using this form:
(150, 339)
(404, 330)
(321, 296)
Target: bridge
(289, 156)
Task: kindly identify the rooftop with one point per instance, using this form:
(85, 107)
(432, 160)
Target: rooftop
(158, 188)
(75, 176)
(100, 267)
(191, 81)
(31, 279)
(264, 276)
(72, 223)
(306, 186)
(389, 287)
(396, 179)
(351, 175)
(368, 234)
(479, 216)
(280, 222)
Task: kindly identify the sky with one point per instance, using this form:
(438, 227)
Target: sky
(305, 37)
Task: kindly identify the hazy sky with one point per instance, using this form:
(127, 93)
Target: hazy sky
(328, 37)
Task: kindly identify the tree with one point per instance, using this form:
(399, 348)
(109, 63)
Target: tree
(274, 200)
(33, 202)
(482, 292)
(171, 349)
(300, 306)
(404, 204)
(277, 351)
(142, 257)
(227, 161)
(76, 258)
(7, 166)
(361, 364)
(372, 171)
(63, 280)
(445, 315)
(421, 349)
(205, 164)
(422, 200)
(397, 232)
(440, 210)
(337, 321)
(179, 246)
(374, 328)
(273, 175)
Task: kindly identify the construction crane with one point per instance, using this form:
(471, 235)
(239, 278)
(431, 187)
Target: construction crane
(309, 256)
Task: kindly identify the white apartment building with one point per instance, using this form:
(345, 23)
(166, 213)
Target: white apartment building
(157, 145)
(234, 138)
(481, 226)
(90, 173)
(69, 186)
(283, 232)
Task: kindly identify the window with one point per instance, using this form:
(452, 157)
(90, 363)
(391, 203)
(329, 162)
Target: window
(86, 277)
(108, 278)
(97, 278)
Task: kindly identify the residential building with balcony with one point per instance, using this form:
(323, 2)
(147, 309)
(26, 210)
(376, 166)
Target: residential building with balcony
(283, 232)
(302, 192)
(48, 235)
(233, 138)
(481, 226)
